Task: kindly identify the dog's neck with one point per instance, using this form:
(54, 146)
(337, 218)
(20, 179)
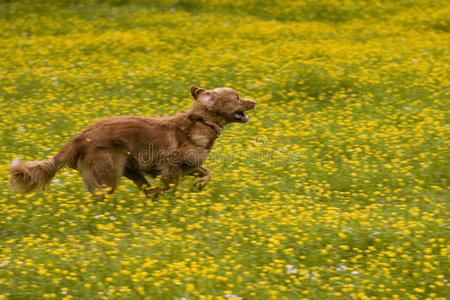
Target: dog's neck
(208, 118)
(208, 123)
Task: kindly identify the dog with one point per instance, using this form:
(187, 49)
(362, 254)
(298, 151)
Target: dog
(134, 146)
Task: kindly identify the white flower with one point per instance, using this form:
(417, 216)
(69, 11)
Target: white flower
(5, 263)
(234, 297)
(375, 233)
(341, 268)
(291, 270)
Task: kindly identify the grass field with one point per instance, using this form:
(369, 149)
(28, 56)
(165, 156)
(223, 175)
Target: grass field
(337, 187)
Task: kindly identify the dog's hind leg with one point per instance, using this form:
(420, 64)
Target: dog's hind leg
(101, 171)
(205, 176)
(93, 186)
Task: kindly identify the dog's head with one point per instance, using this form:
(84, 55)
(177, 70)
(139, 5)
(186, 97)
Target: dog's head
(224, 102)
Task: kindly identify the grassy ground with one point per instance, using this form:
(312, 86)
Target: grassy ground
(336, 188)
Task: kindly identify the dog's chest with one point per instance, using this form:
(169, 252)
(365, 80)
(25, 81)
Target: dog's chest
(202, 137)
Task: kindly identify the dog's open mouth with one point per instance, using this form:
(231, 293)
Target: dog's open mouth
(239, 116)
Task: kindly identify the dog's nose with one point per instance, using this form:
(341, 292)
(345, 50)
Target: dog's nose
(253, 103)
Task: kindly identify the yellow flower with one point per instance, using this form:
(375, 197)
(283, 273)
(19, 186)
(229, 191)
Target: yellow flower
(190, 287)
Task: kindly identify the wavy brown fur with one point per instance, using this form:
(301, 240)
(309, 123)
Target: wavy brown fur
(30, 175)
(27, 176)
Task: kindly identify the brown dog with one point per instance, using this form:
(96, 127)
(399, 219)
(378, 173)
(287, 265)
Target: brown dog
(132, 146)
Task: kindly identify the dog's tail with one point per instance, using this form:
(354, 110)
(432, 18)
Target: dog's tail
(30, 175)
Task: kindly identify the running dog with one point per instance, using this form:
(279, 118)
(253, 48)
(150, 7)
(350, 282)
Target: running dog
(134, 146)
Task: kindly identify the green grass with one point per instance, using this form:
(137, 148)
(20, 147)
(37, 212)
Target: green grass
(336, 188)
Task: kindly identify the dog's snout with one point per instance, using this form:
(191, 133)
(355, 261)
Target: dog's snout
(252, 103)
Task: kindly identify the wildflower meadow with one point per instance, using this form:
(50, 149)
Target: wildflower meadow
(337, 187)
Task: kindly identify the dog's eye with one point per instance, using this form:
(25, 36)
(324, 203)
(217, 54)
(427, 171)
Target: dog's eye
(237, 98)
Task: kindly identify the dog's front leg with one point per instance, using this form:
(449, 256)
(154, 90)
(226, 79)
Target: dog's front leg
(205, 177)
(170, 177)
(133, 173)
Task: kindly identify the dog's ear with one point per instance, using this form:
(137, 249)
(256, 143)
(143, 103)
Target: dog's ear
(195, 91)
(201, 94)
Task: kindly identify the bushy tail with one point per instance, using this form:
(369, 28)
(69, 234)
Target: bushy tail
(30, 175)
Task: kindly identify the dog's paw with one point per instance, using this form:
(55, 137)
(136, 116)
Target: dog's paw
(152, 192)
(199, 185)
